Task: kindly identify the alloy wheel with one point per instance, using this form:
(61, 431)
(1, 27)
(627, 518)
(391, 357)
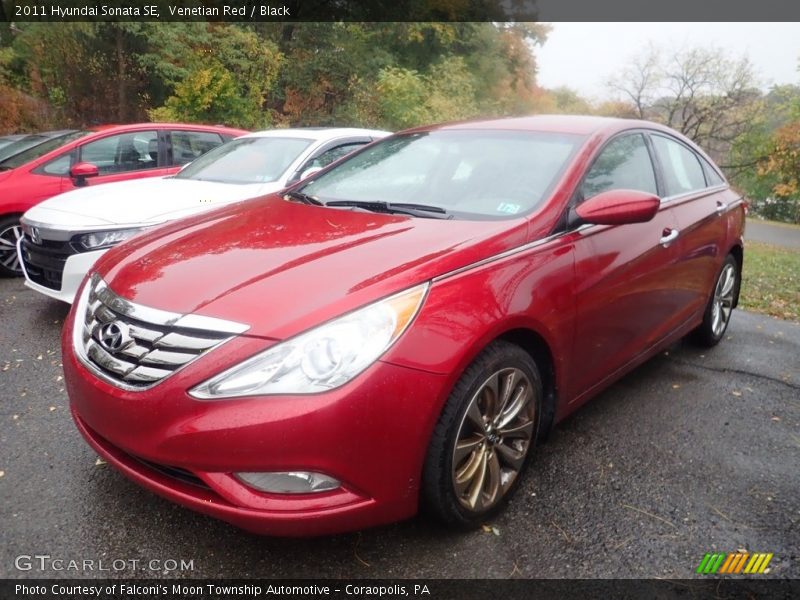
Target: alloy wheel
(493, 440)
(8, 247)
(723, 300)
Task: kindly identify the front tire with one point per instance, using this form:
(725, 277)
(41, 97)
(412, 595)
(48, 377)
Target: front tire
(720, 305)
(484, 437)
(10, 232)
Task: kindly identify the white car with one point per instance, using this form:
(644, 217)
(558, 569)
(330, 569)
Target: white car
(65, 235)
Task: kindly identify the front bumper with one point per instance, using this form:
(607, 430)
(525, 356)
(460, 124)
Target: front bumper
(371, 435)
(56, 276)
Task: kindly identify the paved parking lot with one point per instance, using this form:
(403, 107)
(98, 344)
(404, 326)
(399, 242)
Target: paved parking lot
(695, 452)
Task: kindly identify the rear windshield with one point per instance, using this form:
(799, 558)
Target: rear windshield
(32, 147)
(468, 173)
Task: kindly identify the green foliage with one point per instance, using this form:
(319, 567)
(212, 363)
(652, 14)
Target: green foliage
(765, 162)
(225, 83)
(255, 75)
(407, 98)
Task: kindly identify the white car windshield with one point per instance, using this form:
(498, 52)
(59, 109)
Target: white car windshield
(468, 174)
(246, 160)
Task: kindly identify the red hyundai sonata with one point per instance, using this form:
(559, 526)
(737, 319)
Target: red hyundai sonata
(402, 327)
(68, 159)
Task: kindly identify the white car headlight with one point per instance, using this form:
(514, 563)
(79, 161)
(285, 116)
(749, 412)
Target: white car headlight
(320, 359)
(104, 239)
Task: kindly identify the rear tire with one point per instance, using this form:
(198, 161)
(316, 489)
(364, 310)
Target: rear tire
(484, 438)
(10, 232)
(719, 310)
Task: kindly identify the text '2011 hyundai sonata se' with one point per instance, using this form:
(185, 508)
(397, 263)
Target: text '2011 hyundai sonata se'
(401, 327)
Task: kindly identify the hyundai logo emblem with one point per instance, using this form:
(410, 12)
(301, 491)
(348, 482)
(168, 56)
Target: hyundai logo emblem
(36, 238)
(114, 336)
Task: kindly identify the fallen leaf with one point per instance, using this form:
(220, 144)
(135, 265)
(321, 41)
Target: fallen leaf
(486, 529)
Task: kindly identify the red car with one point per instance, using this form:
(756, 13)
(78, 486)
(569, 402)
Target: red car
(74, 158)
(402, 327)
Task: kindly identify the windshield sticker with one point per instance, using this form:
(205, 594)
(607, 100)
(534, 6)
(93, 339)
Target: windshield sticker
(507, 208)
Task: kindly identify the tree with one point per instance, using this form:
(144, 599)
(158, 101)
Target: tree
(701, 92)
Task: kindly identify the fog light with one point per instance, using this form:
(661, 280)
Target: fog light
(290, 482)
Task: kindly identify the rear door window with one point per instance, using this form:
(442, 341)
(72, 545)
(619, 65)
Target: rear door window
(683, 172)
(188, 145)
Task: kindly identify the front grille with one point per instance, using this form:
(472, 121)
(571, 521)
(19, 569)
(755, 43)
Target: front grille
(44, 263)
(135, 346)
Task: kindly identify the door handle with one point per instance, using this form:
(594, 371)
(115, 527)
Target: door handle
(668, 236)
(721, 207)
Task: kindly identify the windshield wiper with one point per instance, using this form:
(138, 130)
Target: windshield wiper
(415, 210)
(304, 198)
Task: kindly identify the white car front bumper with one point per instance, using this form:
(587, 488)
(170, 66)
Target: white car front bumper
(75, 269)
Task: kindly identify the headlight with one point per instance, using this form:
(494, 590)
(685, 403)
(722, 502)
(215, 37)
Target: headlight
(320, 359)
(103, 239)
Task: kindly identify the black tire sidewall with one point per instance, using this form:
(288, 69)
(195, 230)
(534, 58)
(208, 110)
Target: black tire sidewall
(438, 493)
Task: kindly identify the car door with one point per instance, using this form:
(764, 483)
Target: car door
(698, 196)
(625, 296)
(122, 156)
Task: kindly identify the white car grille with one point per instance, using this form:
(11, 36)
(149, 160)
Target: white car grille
(134, 346)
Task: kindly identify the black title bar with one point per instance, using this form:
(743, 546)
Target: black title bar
(397, 10)
(433, 589)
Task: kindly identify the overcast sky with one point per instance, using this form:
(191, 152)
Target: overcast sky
(584, 55)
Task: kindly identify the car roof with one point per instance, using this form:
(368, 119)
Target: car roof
(320, 133)
(139, 126)
(570, 124)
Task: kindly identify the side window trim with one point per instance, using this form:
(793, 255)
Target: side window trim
(163, 144)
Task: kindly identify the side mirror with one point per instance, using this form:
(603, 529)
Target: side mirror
(618, 207)
(82, 171)
(309, 172)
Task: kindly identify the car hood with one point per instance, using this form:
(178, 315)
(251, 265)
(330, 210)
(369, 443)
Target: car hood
(282, 267)
(141, 201)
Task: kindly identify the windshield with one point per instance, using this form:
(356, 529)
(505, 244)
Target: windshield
(246, 160)
(468, 173)
(32, 147)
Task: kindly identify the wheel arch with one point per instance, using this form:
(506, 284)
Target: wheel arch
(539, 350)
